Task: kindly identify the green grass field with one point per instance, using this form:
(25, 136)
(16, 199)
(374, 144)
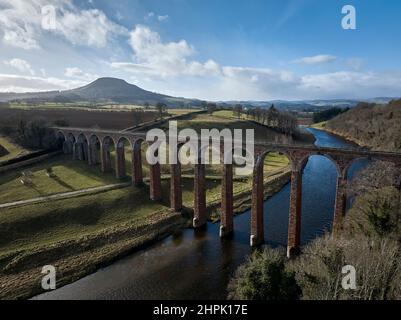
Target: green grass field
(69, 175)
(223, 121)
(89, 106)
(32, 226)
(72, 175)
(27, 227)
(178, 112)
(13, 149)
(76, 175)
(229, 114)
(320, 125)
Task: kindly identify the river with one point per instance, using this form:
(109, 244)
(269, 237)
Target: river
(197, 264)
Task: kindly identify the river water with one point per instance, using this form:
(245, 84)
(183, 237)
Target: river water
(197, 264)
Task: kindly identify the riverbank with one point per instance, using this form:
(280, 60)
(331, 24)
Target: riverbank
(375, 126)
(20, 275)
(323, 127)
(346, 137)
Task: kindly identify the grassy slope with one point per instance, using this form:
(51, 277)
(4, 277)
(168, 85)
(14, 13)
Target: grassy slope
(64, 219)
(222, 120)
(75, 175)
(69, 176)
(178, 112)
(262, 133)
(29, 228)
(33, 226)
(320, 125)
(13, 149)
(227, 114)
(374, 126)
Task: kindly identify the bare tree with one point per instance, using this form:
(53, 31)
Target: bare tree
(238, 110)
(161, 109)
(211, 107)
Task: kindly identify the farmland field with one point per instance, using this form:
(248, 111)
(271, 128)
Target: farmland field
(68, 175)
(117, 120)
(37, 226)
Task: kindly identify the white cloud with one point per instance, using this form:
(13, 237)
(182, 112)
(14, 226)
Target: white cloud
(158, 59)
(256, 83)
(351, 84)
(155, 60)
(354, 63)
(149, 15)
(14, 83)
(77, 73)
(209, 68)
(87, 27)
(119, 16)
(318, 59)
(168, 58)
(21, 24)
(21, 65)
(265, 84)
(162, 18)
(172, 66)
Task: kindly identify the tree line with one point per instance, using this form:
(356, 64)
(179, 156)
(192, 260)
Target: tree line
(372, 125)
(31, 134)
(283, 122)
(328, 114)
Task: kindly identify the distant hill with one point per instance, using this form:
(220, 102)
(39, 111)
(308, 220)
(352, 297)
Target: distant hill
(112, 90)
(310, 105)
(102, 90)
(377, 126)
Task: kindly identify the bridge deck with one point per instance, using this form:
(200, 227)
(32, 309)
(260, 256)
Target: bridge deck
(274, 147)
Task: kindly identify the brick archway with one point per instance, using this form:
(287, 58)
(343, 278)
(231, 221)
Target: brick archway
(137, 170)
(106, 146)
(298, 156)
(81, 147)
(121, 144)
(70, 140)
(94, 154)
(61, 141)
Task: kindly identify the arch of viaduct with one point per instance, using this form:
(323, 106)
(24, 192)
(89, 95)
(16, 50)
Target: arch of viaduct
(94, 146)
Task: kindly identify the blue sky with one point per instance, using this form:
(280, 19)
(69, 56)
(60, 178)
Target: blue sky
(213, 50)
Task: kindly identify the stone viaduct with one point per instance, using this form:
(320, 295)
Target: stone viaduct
(95, 146)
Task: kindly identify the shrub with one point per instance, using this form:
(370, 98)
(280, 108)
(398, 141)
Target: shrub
(377, 263)
(264, 277)
(375, 214)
